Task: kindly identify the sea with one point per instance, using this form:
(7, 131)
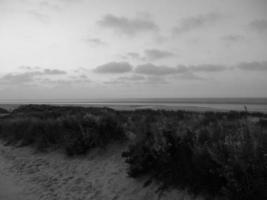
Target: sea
(189, 104)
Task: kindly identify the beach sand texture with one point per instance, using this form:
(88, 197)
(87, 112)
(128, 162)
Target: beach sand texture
(100, 175)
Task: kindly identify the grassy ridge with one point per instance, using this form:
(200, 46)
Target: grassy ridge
(207, 154)
(3, 111)
(215, 154)
(74, 129)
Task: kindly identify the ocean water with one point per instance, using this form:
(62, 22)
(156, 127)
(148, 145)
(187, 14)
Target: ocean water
(193, 104)
(197, 104)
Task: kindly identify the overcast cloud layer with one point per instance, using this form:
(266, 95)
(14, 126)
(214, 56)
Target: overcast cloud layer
(124, 48)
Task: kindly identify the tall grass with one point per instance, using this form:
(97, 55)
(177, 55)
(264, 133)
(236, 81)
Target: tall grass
(206, 155)
(220, 155)
(3, 111)
(75, 132)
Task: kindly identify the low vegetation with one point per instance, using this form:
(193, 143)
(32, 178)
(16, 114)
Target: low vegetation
(74, 129)
(216, 155)
(219, 155)
(3, 111)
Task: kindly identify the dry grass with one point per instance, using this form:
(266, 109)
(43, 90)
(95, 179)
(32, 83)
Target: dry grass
(213, 154)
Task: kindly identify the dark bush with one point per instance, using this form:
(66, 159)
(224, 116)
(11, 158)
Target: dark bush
(221, 158)
(3, 111)
(83, 134)
(215, 154)
(263, 122)
(75, 133)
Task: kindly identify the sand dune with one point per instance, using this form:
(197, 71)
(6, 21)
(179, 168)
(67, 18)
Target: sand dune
(9, 190)
(99, 175)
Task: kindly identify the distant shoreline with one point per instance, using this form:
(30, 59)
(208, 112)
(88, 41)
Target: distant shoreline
(198, 107)
(236, 100)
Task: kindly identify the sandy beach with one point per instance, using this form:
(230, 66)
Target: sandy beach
(25, 174)
(9, 190)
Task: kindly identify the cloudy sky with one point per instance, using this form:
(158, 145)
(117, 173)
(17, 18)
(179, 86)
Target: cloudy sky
(132, 48)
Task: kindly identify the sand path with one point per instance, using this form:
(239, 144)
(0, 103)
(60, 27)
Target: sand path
(9, 190)
(9, 187)
(101, 175)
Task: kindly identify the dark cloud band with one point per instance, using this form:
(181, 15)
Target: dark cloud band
(127, 26)
(114, 68)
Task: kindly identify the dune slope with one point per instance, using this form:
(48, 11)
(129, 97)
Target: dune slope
(99, 175)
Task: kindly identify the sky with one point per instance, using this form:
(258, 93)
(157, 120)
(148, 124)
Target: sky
(90, 49)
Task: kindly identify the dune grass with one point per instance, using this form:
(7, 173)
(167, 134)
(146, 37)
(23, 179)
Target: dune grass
(214, 154)
(73, 129)
(3, 111)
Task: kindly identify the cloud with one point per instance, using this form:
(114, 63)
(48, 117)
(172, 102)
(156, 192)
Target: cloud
(253, 66)
(82, 79)
(114, 68)
(29, 68)
(158, 74)
(57, 3)
(158, 70)
(149, 55)
(12, 78)
(39, 16)
(181, 69)
(156, 80)
(151, 69)
(138, 79)
(134, 55)
(189, 76)
(150, 73)
(53, 72)
(71, 1)
(232, 38)
(28, 76)
(259, 25)
(156, 54)
(132, 78)
(96, 41)
(127, 26)
(196, 22)
(163, 70)
(207, 68)
(82, 70)
(44, 4)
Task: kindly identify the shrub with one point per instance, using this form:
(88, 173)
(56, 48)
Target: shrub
(215, 154)
(76, 133)
(83, 134)
(221, 158)
(3, 111)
